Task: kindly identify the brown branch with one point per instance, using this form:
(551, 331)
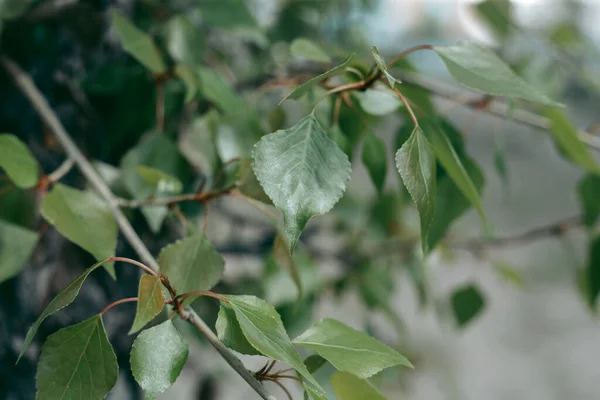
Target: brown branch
(116, 303)
(27, 86)
(409, 51)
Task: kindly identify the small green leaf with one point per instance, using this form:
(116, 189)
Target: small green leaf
(497, 14)
(592, 273)
(10, 9)
(306, 86)
(351, 387)
(374, 156)
(84, 219)
(510, 274)
(263, 329)
(415, 161)
(378, 102)
(62, 299)
(138, 44)
(163, 182)
(302, 171)
(247, 183)
(567, 140)
(198, 145)
(449, 159)
(18, 162)
(185, 42)
(230, 332)
(232, 14)
(77, 362)
(382, 66)
(348, 349)
(314, 362)
(305, 48)
(16, 246)
(158, 355)
(588, 189)
(191, 264)
(480, 69)
(190, 80)
(150, 302)
(467, 303)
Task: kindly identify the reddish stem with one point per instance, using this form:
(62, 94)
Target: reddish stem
(408, 107)
(206, 293)
(116, 303)
(408, 51)
(133, 262)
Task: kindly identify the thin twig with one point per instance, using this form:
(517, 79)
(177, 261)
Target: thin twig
(408, 107)
(26, 85)
(61, 171)
(407, 52)
(204, 293)
(133, 262)
(167, 201)
(116, 303)
(160, 107)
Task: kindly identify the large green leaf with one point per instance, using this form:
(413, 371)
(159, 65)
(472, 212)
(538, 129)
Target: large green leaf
(150, 301)
(479, 68)
(415, 161)
(185, 42)
(348, 349)
(77, 362)
(589, 198)
(191, 264)
(230, 332)
(449, 159)
(567, 140)
(379, 101)
(374, 156)
(157, 357)
(382, 66)
(17, 161)
(305, 48)
(16, 245)
(592, 273)
(306, 86)
(351, 387)
(467, 303)
(263, 329)
(137, 43)
(303, 172)
(62, 299)
(84, 219)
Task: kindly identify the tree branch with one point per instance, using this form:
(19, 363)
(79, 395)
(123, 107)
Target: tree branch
(27, 86)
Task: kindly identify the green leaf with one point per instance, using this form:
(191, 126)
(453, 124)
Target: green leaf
(18, 162)
(382, 66)
(158, 152)
(137, 43)
(198, 145)
(163, 182)
(349, 350)
(150, 302)
(230, 332)
(497, 14)
(305, 48)
(185, 42)
(77, 362)
(592, 273)
(449, 159)
(84, 219)
(589, 198)
(351, 387)
(263, 329)
(313, 394)
(510, 274)
(341, 140)
(62, 299)
(190, 80)
(302, 171)
(157, 357)
(567, 140)
(16, 246)
(191, 264)
(10, 9)
(248, 184)
(415, 161)
(480, 69)
(450, 203)
(378, 102)
(314, 362)
(467, 303)
(374, 156)
(306, 86)
(228, 15)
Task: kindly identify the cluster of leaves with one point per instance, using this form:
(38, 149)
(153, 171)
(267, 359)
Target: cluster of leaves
(302, 170)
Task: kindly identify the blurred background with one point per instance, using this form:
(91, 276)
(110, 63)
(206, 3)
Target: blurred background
(535, 337)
